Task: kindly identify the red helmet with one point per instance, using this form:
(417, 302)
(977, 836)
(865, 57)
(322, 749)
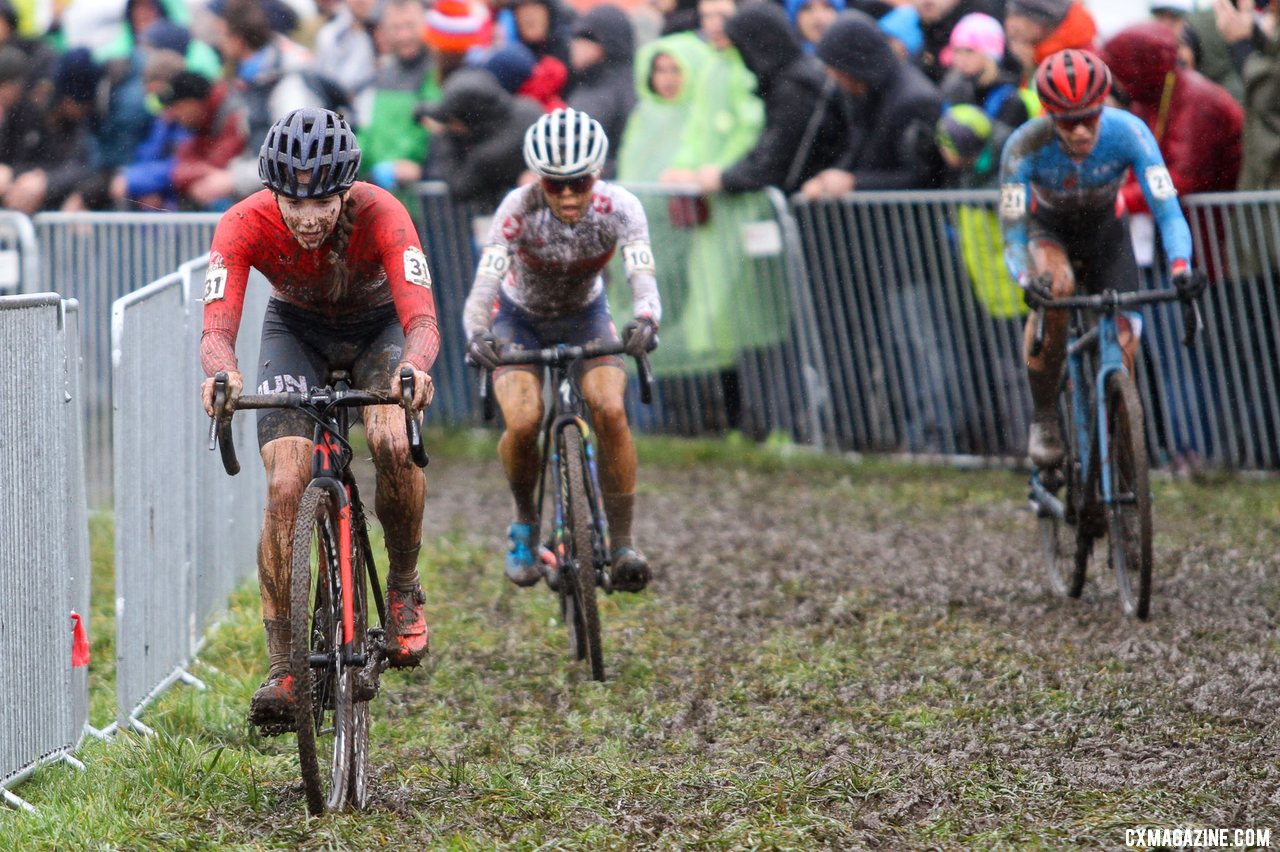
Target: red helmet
(1072, 84)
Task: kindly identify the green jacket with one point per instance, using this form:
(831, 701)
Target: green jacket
(646, 150)
(1215, 56)
(392, 133)
(725, 117)
(200, 57)
(1261, 166)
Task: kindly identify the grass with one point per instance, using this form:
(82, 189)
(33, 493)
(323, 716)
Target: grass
(834, 732)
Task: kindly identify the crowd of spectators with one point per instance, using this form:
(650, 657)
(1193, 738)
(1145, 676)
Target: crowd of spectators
(162, 106)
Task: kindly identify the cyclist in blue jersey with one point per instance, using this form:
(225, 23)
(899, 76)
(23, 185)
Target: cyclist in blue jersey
(1059, 176)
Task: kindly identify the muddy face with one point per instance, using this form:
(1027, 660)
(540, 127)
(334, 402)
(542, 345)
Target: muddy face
(568, 200)
(310, 220)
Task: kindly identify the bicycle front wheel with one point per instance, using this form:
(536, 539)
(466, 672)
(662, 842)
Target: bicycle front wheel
(578, 595)
(1129, 528)
(1066, 561)
(322, 684)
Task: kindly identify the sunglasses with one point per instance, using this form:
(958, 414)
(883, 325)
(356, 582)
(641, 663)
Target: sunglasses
(1069, 124)
(554, 186)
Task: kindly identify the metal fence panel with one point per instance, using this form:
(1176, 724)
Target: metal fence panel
(737, 342)
(80, 579)
(19, 255)
(96, 258)
(228, 514)
(38, 559)
(154, 420)
(923, 329)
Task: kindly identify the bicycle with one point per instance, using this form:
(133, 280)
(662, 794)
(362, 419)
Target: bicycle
(336, 658)
(1105, 469)
(576, 552)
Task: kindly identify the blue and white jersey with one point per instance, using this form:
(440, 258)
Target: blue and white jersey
(1036, 175)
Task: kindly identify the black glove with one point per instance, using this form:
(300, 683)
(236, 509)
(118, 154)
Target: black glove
(640, 336)
(1190, 285)
(1039, 290)
(482, 350)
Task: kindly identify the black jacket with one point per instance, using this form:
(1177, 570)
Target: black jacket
(606, 91)
(804, 129)
(483, 164)
(890, 129)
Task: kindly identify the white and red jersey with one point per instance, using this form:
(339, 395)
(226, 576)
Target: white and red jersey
(384, 257)
(551, 268)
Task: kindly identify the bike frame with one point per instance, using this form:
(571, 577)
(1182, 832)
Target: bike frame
(1105, 338)
(329, 470)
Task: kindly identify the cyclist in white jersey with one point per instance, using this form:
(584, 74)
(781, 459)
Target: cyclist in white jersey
(539, 284)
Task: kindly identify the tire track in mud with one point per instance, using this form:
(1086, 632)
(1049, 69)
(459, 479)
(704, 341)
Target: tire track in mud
(1027, 704)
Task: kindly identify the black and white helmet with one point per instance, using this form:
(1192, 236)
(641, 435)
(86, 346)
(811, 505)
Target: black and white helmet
(565, 144)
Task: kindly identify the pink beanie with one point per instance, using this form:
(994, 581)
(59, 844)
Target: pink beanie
(979, 32)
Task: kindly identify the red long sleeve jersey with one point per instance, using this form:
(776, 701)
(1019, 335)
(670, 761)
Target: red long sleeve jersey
(384, 257)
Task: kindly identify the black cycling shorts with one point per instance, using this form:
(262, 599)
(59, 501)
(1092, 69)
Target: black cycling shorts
(300, 348)
(1097, 244)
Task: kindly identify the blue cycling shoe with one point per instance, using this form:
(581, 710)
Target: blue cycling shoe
(522, 563)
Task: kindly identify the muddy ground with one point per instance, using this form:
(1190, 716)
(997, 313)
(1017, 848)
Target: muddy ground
(880, 647)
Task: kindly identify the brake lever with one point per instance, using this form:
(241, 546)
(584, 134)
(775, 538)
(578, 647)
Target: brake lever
(220, 435)
(417, 450)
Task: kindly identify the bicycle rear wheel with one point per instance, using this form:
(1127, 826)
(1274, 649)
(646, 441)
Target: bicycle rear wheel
(322, 685)
(578, 574)
(1129, 529)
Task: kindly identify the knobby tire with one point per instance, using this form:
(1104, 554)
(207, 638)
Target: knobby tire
(582, 557)
(1059, 539)
(323, 695)
(1130, 526)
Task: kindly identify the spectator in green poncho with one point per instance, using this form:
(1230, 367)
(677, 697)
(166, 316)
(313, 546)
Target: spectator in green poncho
(732, 298)
(666, 71)
(394, 144)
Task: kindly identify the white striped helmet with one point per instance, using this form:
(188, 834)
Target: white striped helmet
(565, 144)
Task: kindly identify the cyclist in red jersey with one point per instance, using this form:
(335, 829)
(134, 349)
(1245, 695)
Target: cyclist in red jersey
(350, 290)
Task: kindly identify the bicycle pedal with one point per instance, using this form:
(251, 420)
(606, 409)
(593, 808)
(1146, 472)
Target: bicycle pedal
(276, 727)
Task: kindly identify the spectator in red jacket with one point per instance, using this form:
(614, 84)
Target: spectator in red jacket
(219, 127)
(1197, 124)
(1198, 127)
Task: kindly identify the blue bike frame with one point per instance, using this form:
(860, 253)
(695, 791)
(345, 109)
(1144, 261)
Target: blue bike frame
(1106, 336)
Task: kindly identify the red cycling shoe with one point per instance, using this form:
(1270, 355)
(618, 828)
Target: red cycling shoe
(407, 634)
(272, 706)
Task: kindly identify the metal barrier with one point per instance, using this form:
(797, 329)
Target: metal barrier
(185, 532)
(45, 578)
(96, 258)
(923, 327)
(19, 254)
(738, 346)
(886, 322)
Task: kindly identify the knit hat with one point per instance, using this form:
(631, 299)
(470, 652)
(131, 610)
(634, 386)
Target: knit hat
(166, 35)
(975, 31)
(1177, 7)
(1048, 13)
(964, 130)
(185, 85)
(854, 45)
(511, 64)
(903, 23)
(77, 76)
(456, 26)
